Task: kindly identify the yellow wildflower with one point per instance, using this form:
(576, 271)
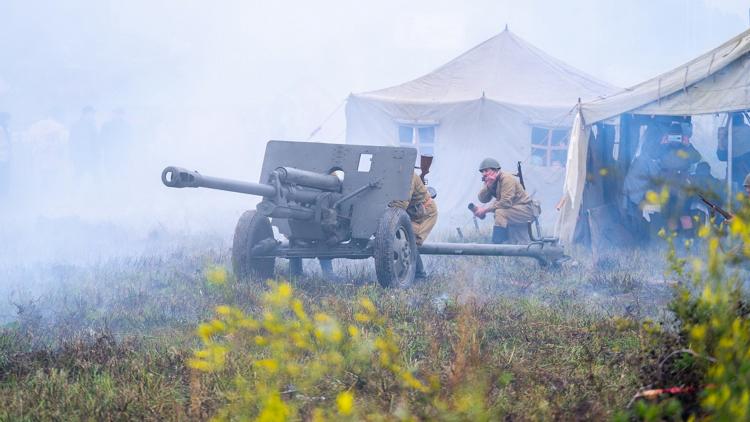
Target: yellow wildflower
(205, 331)
(360, 317)
(219, 355)
(216, 275)
(353, 331)
(284, 290)
(274, 409)
(368, 305)
(299, 310)
(345, 403)
(269, 364)
(218, 325)
(200, 365)
(698, 332)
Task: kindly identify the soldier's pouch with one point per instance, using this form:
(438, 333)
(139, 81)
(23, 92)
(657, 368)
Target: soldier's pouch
(417, 212)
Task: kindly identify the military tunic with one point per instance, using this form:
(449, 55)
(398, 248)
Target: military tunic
(512, 204)
(421, 208)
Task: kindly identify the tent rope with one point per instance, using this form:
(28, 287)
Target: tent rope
(320, 126)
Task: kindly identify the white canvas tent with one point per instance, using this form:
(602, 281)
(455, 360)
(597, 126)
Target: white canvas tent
(715, 82)
(483, 103)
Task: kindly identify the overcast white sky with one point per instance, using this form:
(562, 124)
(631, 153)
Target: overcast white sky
(308, 55)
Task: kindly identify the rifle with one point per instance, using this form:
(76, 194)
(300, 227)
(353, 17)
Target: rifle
(715, 208)
(519, 175)
(425, 162)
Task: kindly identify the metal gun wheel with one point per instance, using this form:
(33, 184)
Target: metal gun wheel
(395, 249)
(251, 230)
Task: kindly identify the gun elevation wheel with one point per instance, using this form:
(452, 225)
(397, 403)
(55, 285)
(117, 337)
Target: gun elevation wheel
(395, 249)
(252, 232)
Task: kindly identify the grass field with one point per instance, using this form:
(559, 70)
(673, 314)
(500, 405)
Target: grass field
(111, 340)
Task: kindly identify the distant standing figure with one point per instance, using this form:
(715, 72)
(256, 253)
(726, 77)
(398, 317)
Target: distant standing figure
(115, 139)
(48, 172)
(641, 176)
(84, 150)
(512, 205)
(677, 155)
(5, 154)
(740, 147)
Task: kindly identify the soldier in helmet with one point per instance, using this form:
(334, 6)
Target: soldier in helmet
(423, 212)
(746, 184)
(512, 205)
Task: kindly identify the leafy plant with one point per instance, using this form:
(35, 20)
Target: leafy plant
(283, 363)
(712, 345)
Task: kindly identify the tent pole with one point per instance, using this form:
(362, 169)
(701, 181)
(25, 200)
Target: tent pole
(730, 141)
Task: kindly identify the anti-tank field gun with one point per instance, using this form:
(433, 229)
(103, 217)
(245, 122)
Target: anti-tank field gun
(331, 201)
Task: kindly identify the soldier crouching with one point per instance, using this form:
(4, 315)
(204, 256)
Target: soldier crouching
(512, 205)
(422, 211)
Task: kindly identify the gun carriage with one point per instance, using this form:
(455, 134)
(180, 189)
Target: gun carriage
(331, 201)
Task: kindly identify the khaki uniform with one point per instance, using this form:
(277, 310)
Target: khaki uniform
(512, 204)
(421, 209)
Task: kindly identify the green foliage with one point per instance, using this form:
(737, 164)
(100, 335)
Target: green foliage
(284, 364)
(712, 348)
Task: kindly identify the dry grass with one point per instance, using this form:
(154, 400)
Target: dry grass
(110, 341)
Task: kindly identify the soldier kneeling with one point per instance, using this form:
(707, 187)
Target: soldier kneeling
(512, 205)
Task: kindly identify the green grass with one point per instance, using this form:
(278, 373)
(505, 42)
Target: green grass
(111, 341)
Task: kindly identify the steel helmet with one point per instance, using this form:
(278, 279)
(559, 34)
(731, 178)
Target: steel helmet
(489, 163)
(747, 180)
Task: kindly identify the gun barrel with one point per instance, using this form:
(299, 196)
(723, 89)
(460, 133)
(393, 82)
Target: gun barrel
(310, 179)
(176, 177)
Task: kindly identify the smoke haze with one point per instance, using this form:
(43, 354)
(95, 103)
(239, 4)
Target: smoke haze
(204, 85)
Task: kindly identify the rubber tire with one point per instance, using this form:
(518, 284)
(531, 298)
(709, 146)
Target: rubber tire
(395, 249)
(251, 229)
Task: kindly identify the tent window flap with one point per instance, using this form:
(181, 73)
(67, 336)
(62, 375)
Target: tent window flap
(549, 146)
(421, 137)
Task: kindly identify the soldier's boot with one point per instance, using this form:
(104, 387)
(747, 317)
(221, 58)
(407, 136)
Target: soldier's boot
(295, 267)
(420, 273)
(326, 268)
(499, 234)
